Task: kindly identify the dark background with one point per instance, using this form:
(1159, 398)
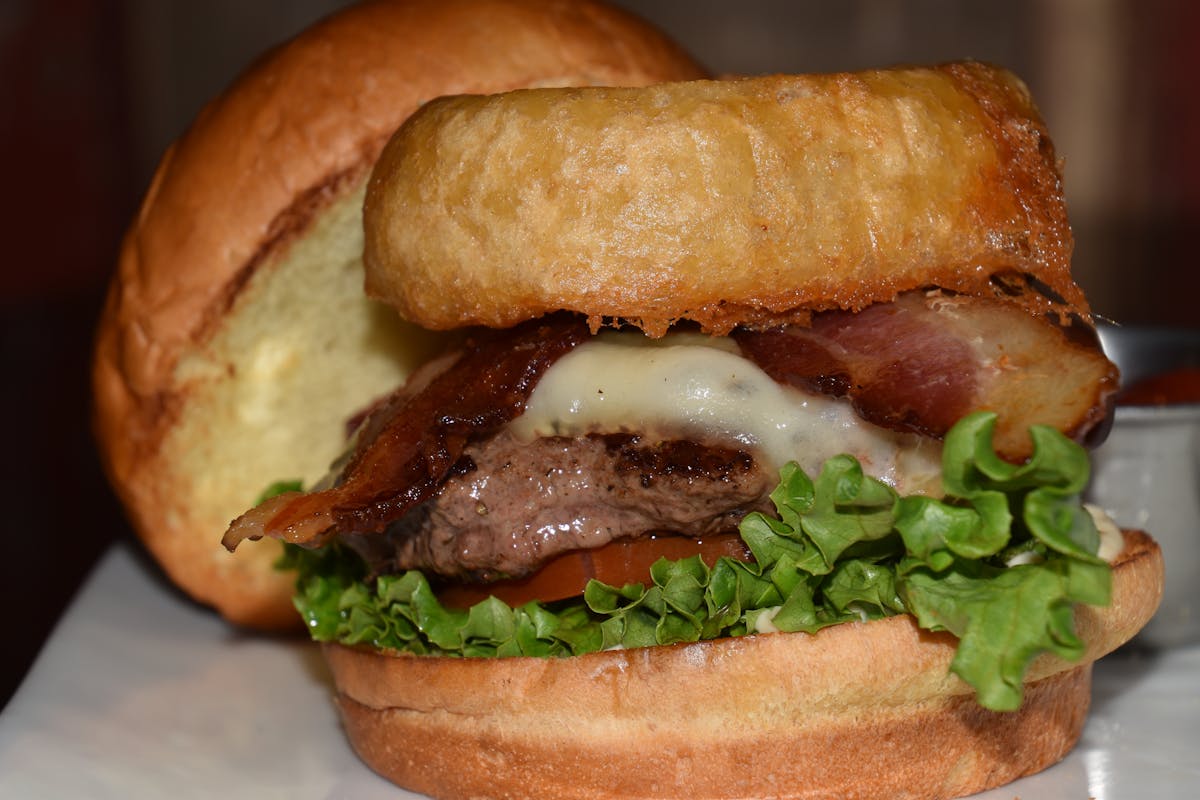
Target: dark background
(93, 91)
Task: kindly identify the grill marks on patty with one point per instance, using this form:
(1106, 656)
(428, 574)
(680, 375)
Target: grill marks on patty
(524, 503)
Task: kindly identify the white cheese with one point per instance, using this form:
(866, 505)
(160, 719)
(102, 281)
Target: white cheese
(694, 385)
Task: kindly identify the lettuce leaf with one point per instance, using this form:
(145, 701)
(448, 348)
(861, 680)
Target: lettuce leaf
(841, 547)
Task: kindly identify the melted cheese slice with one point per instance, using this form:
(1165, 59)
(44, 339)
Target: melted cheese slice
(694, 386)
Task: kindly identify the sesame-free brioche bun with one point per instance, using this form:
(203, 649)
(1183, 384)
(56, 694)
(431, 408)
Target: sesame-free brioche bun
(866, 711)
(236, 340)
(728, 202)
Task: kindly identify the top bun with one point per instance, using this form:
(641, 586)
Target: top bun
(236, 342)
(749, 201)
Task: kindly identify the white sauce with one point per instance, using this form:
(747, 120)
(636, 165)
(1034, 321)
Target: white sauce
(765, 622)
(1112, 542)
(1024, 557)
(694, 385)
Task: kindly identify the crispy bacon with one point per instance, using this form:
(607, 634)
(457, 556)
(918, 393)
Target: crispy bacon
(925, 360)
(414, 441)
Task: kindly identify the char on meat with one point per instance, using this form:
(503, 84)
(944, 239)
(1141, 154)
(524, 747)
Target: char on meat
(519, 504)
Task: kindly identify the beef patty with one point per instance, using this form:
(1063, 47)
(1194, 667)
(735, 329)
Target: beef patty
(513, 505)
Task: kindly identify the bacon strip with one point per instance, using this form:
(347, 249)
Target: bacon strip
(922, 362)
(412, 444)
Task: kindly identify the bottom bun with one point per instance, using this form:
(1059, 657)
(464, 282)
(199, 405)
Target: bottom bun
(860, 710)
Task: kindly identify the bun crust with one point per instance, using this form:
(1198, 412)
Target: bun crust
(721, 202)
(865, 710)
(235, 341)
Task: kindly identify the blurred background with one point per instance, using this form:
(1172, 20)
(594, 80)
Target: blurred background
(94, 90)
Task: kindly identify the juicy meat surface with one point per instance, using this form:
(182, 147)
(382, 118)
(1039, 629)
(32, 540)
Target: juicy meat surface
(519, 504)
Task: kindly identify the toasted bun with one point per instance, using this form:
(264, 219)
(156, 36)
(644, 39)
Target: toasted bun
(721, 202)
(236, 342)
(861, 710)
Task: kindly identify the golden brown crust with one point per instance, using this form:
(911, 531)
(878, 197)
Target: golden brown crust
(757, 716)
(722, 202)
(949, 751)
(232, 201)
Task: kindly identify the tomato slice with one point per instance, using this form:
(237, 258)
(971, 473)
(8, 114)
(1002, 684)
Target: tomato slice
(616, 563)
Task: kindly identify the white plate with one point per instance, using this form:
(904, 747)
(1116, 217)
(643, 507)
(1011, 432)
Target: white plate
(139, 694)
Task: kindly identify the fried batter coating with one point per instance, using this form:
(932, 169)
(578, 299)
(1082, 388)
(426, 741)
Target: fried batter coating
(723, 202)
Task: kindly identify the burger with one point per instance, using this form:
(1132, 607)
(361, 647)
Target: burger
(742, 456)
